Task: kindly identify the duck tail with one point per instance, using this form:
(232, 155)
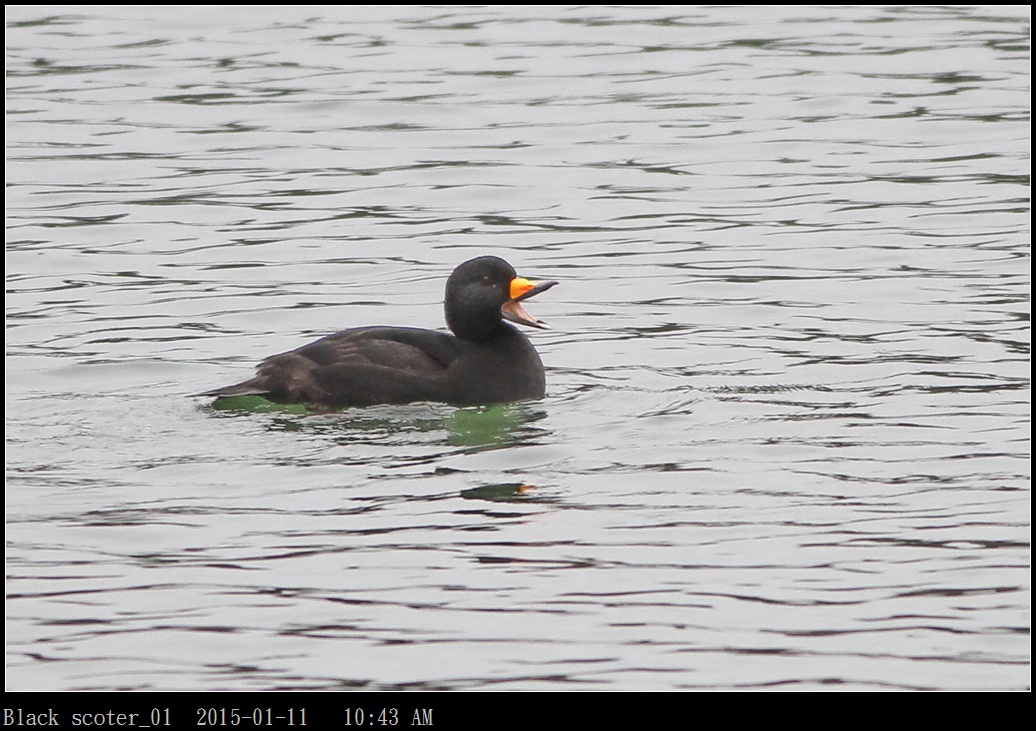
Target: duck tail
(253, 387)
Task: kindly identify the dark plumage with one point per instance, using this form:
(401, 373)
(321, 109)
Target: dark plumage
(485, 361)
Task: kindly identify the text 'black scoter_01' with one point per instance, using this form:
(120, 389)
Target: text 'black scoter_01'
(484, 361)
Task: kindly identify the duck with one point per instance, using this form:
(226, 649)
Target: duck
(482, 360)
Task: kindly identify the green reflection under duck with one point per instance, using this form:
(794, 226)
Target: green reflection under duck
(472, 426)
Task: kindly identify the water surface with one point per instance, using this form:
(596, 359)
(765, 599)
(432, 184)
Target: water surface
(786, 437)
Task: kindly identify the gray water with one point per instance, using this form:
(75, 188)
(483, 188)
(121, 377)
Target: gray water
(786, 438)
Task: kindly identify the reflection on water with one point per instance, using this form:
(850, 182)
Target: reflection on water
(483, 426)
(506, 492)
(257, 405)
(786, 437)
(507, 424)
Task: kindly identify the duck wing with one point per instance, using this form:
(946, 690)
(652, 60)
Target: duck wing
(358, 367)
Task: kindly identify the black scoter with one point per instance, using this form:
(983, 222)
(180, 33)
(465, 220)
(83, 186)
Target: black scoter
(485, 361)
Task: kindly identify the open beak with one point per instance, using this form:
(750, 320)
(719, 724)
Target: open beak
(522, 289)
